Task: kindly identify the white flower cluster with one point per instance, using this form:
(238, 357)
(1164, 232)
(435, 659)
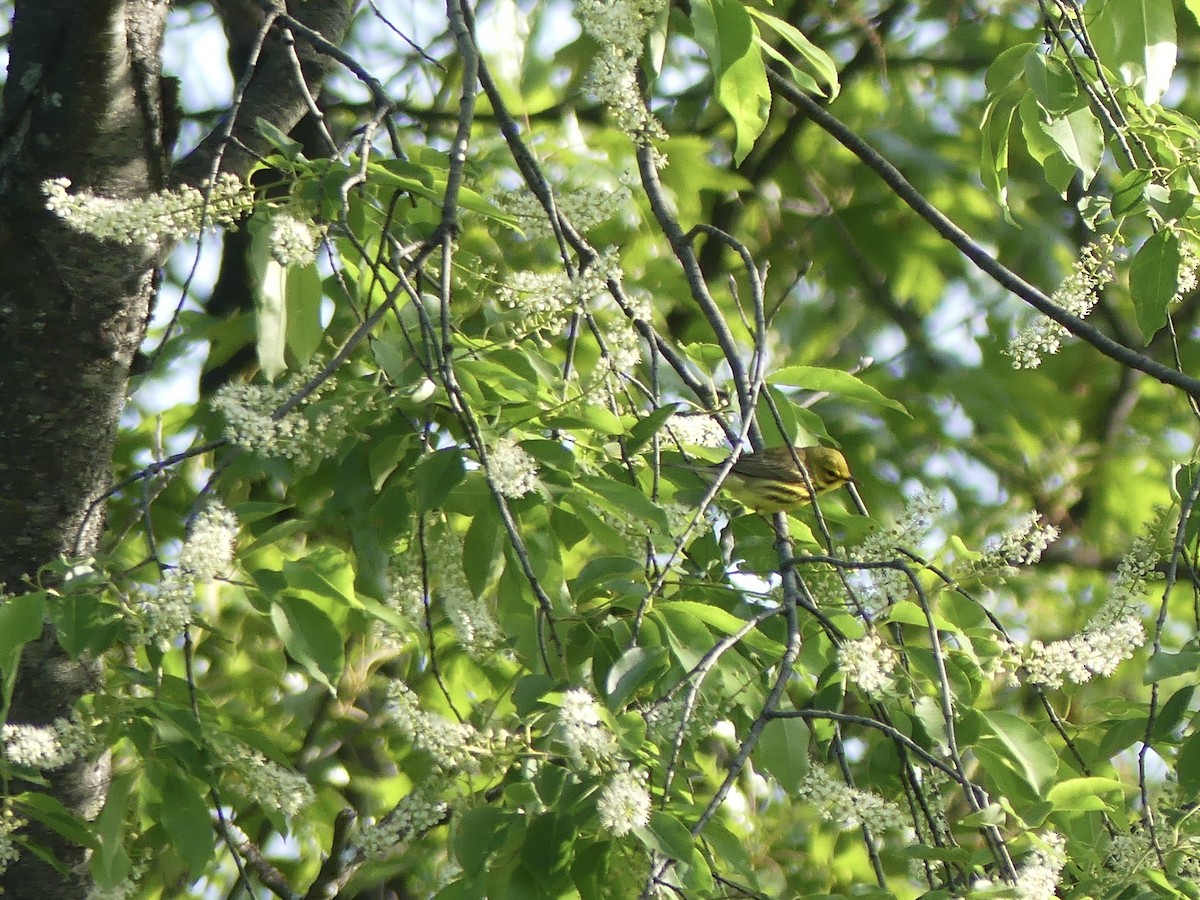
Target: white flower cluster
(849, 807)
(250, 422)
(476, 627)
(698, 430)
(664, 718)
(262, 780)
(208, 551)
(416, 813)
(36, 746)
(613, 82)
(1077, 295)
(547, 300)
(619, 24)
(880, 588)
(636, 531)
(9, 825)
(207, 554)
(404, 593)
(293, 241)
(1134, 574)
(1133, 852)
(47, 746)
(1189, 268)
(1038, 877)
(1112, 635)
(584, 207)
(512, 471)
(454, 746)
(679, 517)
(1021, 545)
(1098, 650)
(624, 803)
(868, 663)
(590, 744)
(1129, 852)
(163, 615)
(620, 28)
(167, 216)
(622, 347)
(126, 888)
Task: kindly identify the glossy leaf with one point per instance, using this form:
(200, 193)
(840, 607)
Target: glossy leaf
(1153, 280)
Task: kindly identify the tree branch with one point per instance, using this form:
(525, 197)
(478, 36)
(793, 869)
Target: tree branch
(988, 264)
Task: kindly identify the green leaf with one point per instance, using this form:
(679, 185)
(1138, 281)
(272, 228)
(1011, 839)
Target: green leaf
(1009, 67)
(665, 834)
(1084, 794)
(20, 622)
(1130, 192)
(110, 864)
(435, 476)
(1153, 280)
(1173, 713)
(1052, 82)
(631, 671)
(479, 832)
(185, 817)
(1164, 665)
(84, 622)
(425, 181)
(626, 500)
(833, 381)
(996, 128)
(1015, 753)
(708, 356)
(483, 548)
(646, 427)
(991, 815)
(287, 147)
(1059, 172)
(906, 612)
(783, 751)
(602, 420)
(724, 622)
(1136, 39)
(546, 848)
(385, 454)
(51, 813)
(727, 34)
(326, 573)
(304, 329)
(1187, 768)
(1169, 204)
(270, 281)
(696, 878)
(1122, 734)
(1080, 137)
(820, 62)
(311, 638)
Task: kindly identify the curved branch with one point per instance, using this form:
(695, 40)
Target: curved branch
(986, 263)
(272, 93)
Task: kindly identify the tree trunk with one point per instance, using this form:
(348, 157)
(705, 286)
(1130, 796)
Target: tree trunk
(83, 100)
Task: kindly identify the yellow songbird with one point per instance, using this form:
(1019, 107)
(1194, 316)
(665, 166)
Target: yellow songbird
(769, 481)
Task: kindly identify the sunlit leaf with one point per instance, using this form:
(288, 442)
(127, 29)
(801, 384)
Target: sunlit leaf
(1153, 281)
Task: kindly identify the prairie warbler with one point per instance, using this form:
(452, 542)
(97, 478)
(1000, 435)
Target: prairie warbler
(770, 482)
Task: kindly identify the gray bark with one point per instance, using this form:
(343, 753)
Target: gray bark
(82, 100)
